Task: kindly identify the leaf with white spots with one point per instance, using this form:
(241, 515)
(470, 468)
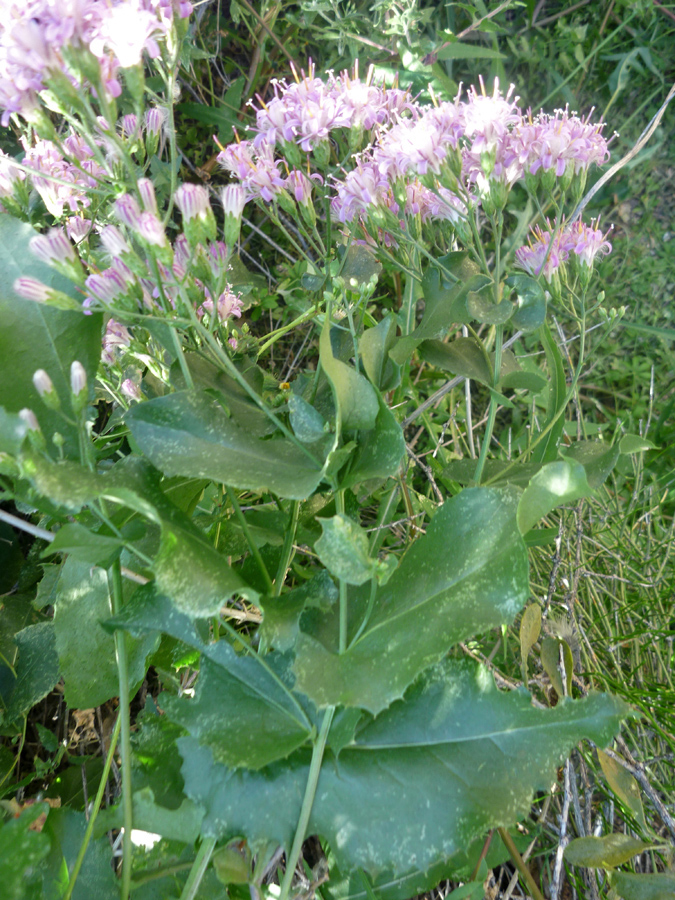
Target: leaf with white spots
(468, 574)
(418, 783)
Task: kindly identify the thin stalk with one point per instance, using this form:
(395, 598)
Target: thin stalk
(409, 301)
(287, 549)
(125, 746)
(494, 403)
(198, 869)
(255, 552)
(344, 602)
(520, 864)
(307, 803)
(95, 809)
(274, 336)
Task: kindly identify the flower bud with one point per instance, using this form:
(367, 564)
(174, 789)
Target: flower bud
(234, 200)
(78, 386)
(198, 219)
(45, 388)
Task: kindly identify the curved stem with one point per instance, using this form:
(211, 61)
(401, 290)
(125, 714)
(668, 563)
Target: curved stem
(287, 549)
(307, 803)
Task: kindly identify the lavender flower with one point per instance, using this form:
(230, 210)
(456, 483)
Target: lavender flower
(115, 340)
(147, 191)
(227, 305)
(54, 247)
(33, 289)
(544, 254)
(198, 219)
(130, 389)
(47, 159)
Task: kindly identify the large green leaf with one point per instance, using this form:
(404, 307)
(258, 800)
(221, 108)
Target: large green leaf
(420, 781)
(469, 573)
(190, 434)
(86, 651)
(242, 708)
(374, 346)
(463, 356)
(66, 829)
(34, 336)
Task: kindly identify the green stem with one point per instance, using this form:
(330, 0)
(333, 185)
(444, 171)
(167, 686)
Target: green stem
(125, 745)
(287, 549)
(409, 301)
(494, 403)
(95, 810)
(255, 552)
(344, 601)
(198, 869)
(307, 803)
(520, 864)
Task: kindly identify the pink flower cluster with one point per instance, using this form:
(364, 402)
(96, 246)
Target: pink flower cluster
(38, 36)
(306, 111)
(547, 251)
(74, 177)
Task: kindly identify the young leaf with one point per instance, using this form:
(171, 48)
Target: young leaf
(531, 302)
(374, 346)
(557, 483)
(604, 852)
(623, 784)
(467, 574)
(597, 459)
(343, 549)
(439, 768)
(551, 651)
(530, 628)
(547, 449)
(634, 443)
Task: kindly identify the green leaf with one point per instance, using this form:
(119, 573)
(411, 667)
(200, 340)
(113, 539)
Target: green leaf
(557, 483)
(379, 451)
(233, 864)
(469, 573)
(190, 434)
(551, 650)
(531, 302)
(83, 544)
(281, 615)
(360, 267)
(468, 51)
(242, 708)
(180, 824)
(604, 852)
(374, 346)
(13, 430)
(192, 572)
(495, 471)
(453, 759)
(547, 450)
(445, 301)
(623, 784)
(37, 670)
(530, 629)
(634, 443)
(464, 356)
(343, 549)
(86, 651)
(21, 851)
(643, 887)
(34, 336)
(235, 712)
(481, 306)
(66, 828)
(597, 459)
(355, 398)
(307, 422)
(523, 381)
